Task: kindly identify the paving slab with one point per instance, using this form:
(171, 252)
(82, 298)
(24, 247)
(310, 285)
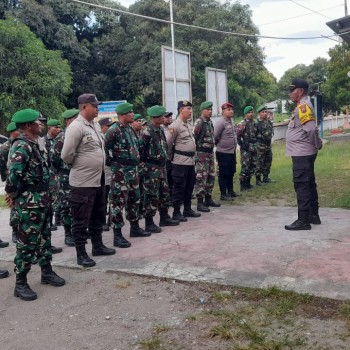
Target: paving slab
(232, 245)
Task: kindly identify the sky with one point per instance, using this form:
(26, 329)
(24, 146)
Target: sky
(290, 18)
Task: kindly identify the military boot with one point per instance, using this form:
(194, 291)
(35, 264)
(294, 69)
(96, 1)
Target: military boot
(150, 226)
(210, 203)
(56, 250)
(137, 231)
(267, 180)
(314, 217)
(22, 289)
(3, 244)
(189, 213)
(244, 186)
(119, 240)
(166, 220)
(68, 238)
(233, 194)
(177, 214)
(82, 257)
(14, 234)
(4, 274)
(258, 181)
(48, 276)
(302, 223)
(98, 248)
(201, 206)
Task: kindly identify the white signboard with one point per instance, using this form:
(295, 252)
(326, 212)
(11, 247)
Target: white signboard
(183, 78)
(216, 86)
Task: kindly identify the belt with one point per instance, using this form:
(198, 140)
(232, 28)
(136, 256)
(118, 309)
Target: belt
(155, 162)
(123, 161)
(183, 153)
(205, 149)
(35, 188)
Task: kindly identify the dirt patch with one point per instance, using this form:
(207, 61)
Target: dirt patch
(98, 310)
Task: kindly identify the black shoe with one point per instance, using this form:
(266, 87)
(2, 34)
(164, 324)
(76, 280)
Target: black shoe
(233, 194)
(266, 180)
(225, 198)
(203, 208)
(4, 274)
(3, 244)
(210, 203)
(189, 213)
(50, 277)
(153, 228)
(315, 219)
(22, 289)
(166, 220)
(56, 250)
(105, 227)
(69, 241)
(179, 217)
(101, 249)
(82, 257)
(139, 232)
(120, 242)
(298, 225)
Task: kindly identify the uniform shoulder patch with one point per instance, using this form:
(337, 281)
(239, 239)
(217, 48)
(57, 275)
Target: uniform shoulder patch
(171, 130)
(305, 113)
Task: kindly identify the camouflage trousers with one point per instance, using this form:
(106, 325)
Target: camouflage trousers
(124, 193)
(205, 174)
(64, 204)
(54, 189)
(248, 164)
(14, 219)
(264, 160)
(33, 238)
(156, 194)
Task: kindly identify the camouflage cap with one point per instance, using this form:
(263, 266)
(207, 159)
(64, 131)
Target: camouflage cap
(156, 111)
(205, 105)
(53, 122)
(70, 113)
(11, 127)
(25, 116)
(248, 109)
(124, 108)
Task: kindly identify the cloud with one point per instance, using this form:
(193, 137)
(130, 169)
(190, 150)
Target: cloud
(273, 59)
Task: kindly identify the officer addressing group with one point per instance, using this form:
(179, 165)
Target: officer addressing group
(182, 144)
(83, 150)
(205, 167)
(27, 188)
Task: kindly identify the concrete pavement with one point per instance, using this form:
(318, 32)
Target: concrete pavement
(234, 245)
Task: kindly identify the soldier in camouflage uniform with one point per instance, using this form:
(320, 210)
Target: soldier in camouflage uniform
(123, 152)
(246, 138)
(62, 170)
(205, 168)
(154, 154)
(264, 136)
(27, 187)
(4, 154)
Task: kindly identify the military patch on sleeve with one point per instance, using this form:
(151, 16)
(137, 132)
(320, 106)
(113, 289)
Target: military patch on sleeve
(171, 130)
(305, 113)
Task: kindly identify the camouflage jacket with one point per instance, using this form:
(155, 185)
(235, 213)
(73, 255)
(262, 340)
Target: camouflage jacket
(122, 147)
(57, 164)
(246, 134)
(204, 134)
(153, 146)
(4, 154)
(28, 177)
(264, 132)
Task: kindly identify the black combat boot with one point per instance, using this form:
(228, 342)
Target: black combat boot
(22, 289)
(58, 219)
(3, 244)
(177, 214)
(201, 206)
(314, 217)
(56, 250)
(98, 248)
(258, 181)
(267, 180)
(14, 234)
(210, 203)
(189, 213)
(68, 238)
(233, 194)
(4, 274)
(223, 197)
(150, 226)
(48, 276)
(119, 240)
(166, 220)
(302, 223)
(137, 231)
(244, 186)
(82, 257)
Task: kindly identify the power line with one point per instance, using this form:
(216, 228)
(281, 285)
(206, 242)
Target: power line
(296, 3)
(198, 27)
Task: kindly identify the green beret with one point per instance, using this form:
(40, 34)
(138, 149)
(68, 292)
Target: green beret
(206, 104)
(70, 113)
(248, 109)
(261, 108)
(11, 127)
(124, 108)
(156, 111)
(53, 122)
(25, 116)
(137, 116)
